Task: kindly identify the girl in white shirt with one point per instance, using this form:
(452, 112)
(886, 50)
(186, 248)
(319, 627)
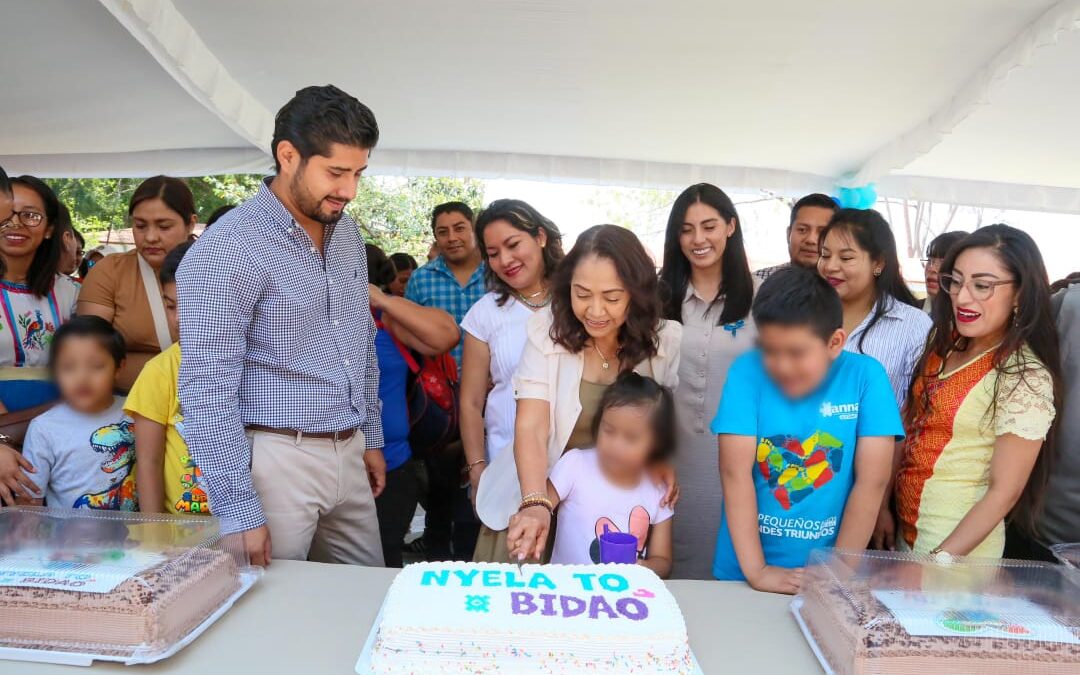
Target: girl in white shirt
(521, 249)
(609, 487)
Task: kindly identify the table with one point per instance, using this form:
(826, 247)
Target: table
(304, 617)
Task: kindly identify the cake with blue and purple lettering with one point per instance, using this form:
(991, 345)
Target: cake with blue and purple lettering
(490, 618)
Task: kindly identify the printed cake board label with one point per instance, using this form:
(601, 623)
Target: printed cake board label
(969, 615)
(88, 570)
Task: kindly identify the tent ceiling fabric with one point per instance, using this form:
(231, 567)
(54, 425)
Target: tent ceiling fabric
(969, 101)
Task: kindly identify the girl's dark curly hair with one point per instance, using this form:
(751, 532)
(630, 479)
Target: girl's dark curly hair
(639, 334)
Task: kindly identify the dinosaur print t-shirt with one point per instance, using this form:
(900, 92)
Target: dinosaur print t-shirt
(805, 452)
(84, 461)
(588, 502)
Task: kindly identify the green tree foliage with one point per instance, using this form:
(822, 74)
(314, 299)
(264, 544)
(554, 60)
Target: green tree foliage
(393, 212)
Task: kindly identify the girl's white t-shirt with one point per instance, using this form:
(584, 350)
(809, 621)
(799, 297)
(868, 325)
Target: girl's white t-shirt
(504, 331)
(587, 502)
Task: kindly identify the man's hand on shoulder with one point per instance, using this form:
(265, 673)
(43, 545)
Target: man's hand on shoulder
(257, 545)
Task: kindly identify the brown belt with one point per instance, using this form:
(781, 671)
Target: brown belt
(299, 435)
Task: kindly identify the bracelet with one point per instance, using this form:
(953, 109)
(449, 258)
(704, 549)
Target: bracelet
(534, 495)
(7, 440)
(536, 501)
(469, 467)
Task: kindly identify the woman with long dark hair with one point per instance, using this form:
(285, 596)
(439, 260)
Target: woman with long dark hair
(521, 249)
(124, 289)
(37, 299)
(706, 285)
(984, 401)
(881, 316)
(605, 318)
(935, 255)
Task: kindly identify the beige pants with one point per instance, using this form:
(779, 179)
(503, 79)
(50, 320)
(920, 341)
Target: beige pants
(316, 498)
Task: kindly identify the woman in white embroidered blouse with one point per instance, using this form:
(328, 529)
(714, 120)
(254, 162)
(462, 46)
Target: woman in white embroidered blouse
(605, 318)
(521, 249)
(706, 285)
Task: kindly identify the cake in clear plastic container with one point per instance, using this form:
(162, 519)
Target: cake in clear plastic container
(882, 613)
(1068, 554)
(108, 584)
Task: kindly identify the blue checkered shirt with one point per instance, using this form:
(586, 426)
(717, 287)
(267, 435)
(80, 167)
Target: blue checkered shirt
(434, 285)
(271, 333)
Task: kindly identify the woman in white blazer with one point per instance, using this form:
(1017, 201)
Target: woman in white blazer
(605, 317)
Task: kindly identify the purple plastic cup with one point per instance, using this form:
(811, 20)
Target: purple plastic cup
(618, 547)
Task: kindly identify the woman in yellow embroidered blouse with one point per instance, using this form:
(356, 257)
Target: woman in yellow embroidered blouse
(984, 402)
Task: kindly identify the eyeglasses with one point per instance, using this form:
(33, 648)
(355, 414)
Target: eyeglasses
(932, 262)
(980, 289)
(25, 218)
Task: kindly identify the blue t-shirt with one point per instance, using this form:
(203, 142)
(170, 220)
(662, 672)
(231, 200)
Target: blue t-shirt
(393, 376)
(805, 451)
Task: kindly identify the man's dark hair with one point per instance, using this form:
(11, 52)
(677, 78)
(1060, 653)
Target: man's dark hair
(5, 182)
(78, 237)
(452, 207)
(218, 213)
(816, 199)
(795, 296)
(89, 327)
(167, 273)
(316, 117)
(939, 246)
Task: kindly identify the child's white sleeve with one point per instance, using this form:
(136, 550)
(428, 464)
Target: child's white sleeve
(38, 451)
(563, 473)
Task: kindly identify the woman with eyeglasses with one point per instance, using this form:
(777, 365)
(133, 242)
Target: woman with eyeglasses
(984, 402)
(36, 297)
(124, 289)
(935, 255)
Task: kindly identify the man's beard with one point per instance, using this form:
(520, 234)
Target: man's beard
(308, 205)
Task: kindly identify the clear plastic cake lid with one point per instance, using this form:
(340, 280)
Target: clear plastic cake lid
(112, 585)
(902, 609)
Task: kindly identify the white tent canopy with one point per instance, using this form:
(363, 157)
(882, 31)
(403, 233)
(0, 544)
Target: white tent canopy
(964, 101)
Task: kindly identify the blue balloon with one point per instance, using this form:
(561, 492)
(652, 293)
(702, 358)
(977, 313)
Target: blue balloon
(862, 197)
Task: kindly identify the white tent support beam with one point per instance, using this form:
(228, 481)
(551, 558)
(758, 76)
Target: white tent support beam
(976, 92)
(172, 41)
(589, 170)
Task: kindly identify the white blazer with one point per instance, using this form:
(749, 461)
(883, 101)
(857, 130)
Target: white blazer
(549, 372)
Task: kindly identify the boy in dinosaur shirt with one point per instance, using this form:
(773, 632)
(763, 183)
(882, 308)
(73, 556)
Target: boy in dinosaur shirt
(82, 450)
(169, 481)
(807, 432)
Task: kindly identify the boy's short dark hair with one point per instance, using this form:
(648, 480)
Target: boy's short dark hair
(317, 117)
(822, 201)
(631, 388)
(167, 273)
(89, 327)
(452, 207)
(795, 296)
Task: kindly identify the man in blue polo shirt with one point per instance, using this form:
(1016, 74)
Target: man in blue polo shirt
(453, 282)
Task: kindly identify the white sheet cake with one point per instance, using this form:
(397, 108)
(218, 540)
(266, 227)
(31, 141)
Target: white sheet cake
(486, 617)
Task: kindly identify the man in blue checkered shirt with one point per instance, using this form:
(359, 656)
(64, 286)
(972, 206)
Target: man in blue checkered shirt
(278, 377)
(454, 280)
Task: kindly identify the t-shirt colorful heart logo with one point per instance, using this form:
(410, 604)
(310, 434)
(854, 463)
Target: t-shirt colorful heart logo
(794, 468)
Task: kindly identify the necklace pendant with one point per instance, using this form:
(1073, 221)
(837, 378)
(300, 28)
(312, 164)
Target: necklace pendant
(605, 365)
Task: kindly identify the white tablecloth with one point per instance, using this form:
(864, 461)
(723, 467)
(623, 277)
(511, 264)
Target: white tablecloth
(312, 618)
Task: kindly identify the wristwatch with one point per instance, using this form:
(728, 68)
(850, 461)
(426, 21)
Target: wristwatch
(941, 556)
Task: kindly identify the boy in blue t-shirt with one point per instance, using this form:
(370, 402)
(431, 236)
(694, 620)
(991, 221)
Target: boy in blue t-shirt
(806, 431)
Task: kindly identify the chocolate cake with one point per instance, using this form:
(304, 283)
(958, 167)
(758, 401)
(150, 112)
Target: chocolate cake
(842, 606)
